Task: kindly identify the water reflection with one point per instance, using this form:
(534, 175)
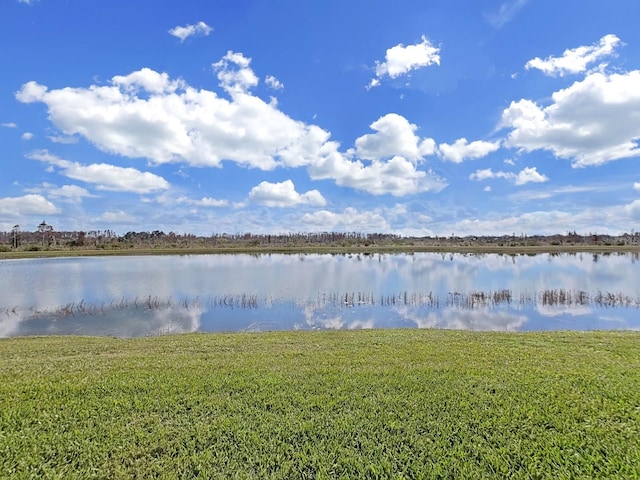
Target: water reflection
(116, 323)
(138, 296)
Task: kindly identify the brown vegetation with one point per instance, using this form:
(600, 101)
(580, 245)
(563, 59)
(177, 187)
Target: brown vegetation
(45, 240)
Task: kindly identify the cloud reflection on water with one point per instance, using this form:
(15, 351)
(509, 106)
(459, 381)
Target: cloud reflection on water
(275, 292)
(126, 323)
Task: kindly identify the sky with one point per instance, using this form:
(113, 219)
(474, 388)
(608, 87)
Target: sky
(412, 117)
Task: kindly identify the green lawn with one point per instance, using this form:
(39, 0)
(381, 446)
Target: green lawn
(364, 404)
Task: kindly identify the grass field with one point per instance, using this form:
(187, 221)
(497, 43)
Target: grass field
(365, 404)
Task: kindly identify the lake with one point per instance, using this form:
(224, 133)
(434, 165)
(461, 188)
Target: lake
(153, 295)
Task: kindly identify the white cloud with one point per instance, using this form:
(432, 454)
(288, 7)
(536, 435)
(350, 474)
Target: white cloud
(486, 174)
(636, 186)
(69, 193)
(105, 176)
(211, 202)
(27, 136)
(284, 194)
(31, 204)
(145, 114)
(31, 92)
(592, 122)
(183, 32)
(528, 175)
(234, 73)
(273, 82)
(27, 2)
(397, 176)
(575, 60)
(539, 194)
(63, 139)
(350, 220)
(506, 13)
(400, 60)
(166, 198)
(148, 115)
(601, 219)
(463, 150)
(72, 193)
(118, 217)
(8, 125)
(147, 80)
(394, 136)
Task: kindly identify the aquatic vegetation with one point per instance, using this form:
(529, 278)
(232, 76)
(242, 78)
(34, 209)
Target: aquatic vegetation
(429, 300)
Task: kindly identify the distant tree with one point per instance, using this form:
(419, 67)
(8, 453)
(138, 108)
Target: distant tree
(15, 236)
(46, 231)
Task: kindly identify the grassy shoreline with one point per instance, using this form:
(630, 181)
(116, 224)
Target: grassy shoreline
(363, 404)
(474, 249)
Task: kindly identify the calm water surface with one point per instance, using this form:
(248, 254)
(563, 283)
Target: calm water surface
(147, 295)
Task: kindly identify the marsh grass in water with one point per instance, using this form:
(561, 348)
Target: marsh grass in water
(431, 300)
(365, 404)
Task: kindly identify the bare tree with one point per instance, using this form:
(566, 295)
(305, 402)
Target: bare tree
(46, 231)
(15, 236)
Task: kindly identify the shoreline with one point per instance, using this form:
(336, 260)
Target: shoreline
(334, 250)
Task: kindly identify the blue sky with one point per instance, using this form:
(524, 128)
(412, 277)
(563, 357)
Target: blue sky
(411, 117)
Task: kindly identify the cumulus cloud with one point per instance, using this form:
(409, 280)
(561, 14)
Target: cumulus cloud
(385, 162)
(401, 59)
(530, 175)
(636, 186)
(31, 92)
(186, 31)
(27, 136)
(575, 60)
(147, 80)
(105, 176)
(394, 136)
(8, 125)
(462, 150)
(284, 194)
(397, 176)
(273, 82)
(31, 204)
(591, 122)
(146, 114)
(527, 175)
(234, 73)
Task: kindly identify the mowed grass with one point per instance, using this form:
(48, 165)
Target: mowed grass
(363, 404)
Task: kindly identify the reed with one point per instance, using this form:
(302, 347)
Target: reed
(428, 300)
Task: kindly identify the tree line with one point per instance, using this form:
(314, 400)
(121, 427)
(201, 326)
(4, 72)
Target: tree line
(45, 236)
